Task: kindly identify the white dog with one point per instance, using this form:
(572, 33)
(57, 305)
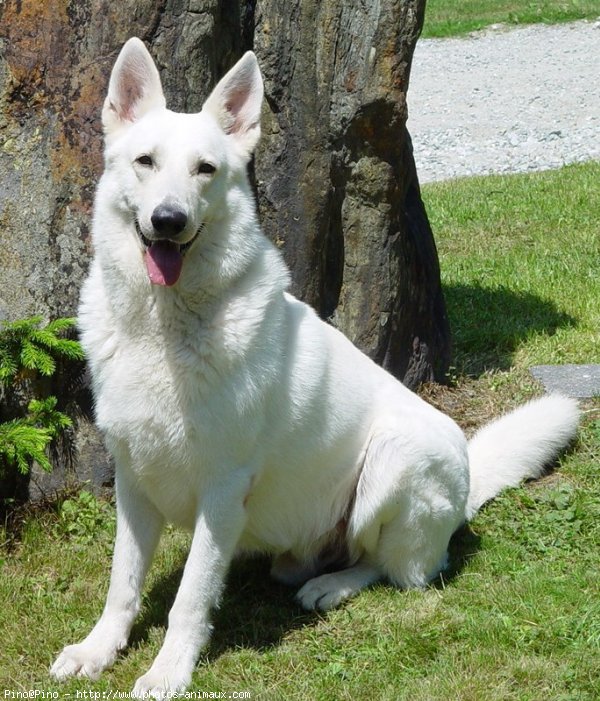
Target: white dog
(232, 410)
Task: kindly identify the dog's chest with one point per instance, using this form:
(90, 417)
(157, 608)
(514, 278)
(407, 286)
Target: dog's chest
(175, 400)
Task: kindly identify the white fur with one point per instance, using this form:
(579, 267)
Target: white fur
(232, 410)
(518, 445)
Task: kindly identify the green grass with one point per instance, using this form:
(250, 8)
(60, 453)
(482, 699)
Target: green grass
(445, 18)
(517, 616)
(520, 257)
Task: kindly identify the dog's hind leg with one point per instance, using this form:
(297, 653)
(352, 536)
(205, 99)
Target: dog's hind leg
(410, 499)
(413, 550)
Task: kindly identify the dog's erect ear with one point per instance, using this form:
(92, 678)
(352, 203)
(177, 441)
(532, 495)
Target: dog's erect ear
(236, 101)
(134, 87)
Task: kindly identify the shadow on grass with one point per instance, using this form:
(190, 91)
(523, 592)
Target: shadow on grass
(464, 545)
(489, 324)
(255, 612)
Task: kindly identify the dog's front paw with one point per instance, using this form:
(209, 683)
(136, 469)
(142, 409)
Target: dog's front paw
(159, 681)
(82, 660)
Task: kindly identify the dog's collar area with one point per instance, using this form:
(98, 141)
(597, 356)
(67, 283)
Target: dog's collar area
(181, 247)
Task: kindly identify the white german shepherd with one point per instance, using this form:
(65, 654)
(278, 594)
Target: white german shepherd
(232, 410)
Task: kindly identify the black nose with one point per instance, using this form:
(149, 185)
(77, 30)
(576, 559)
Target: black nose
(168, 220)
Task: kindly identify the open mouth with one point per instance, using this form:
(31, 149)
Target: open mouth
(182, 247)
(164, 258)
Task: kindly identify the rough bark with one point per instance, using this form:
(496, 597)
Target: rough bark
(345, 203)
(335, 177)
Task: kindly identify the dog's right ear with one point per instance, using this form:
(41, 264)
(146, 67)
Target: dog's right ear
(134, 88)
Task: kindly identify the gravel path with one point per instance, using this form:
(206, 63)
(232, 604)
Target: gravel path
(506, 100)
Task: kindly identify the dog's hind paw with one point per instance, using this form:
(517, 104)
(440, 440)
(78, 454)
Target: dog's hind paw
(328, 590)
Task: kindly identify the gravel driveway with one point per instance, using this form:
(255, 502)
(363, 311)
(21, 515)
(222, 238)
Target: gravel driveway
(506, 100)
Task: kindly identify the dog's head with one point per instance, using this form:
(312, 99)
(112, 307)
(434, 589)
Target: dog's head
(168, 173)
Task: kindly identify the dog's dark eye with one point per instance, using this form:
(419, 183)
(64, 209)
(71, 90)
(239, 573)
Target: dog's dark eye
(145, 160)
(205, 169)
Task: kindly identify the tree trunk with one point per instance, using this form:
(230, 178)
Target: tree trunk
(335, 177)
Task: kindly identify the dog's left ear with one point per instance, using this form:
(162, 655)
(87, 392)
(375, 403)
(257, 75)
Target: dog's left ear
(134, 87)
(236, 102)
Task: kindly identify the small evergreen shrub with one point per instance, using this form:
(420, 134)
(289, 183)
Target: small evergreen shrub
(28, 350)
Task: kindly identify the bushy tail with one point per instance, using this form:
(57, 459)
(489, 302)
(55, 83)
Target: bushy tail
(518, 445)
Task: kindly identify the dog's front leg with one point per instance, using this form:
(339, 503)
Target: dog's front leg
(219, 525)
(138, 529)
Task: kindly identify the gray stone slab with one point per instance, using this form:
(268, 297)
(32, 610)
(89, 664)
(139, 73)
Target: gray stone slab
(578, 381)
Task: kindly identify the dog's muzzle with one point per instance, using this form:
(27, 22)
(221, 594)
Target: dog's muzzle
(164, 256)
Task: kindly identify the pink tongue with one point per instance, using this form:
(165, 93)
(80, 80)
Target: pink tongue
(163, 263)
